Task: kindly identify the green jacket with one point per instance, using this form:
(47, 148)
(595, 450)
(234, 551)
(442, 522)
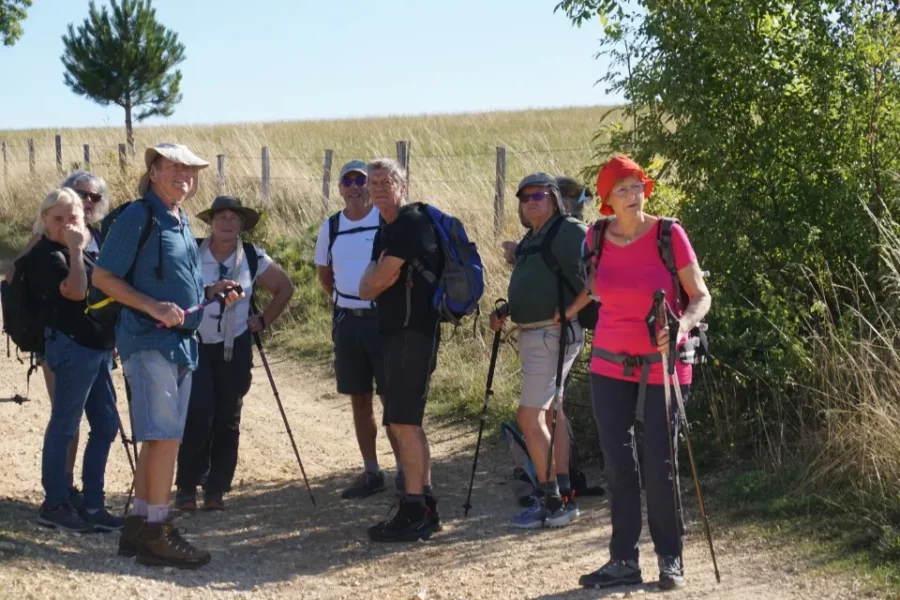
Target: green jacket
(533, 290)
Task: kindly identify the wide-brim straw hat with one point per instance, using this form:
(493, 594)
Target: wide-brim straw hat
(174, 152)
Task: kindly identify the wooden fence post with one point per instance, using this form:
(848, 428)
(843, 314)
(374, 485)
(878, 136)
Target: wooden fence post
(87, 157)
(123, 161)
(31, 156)
(220, 167)
(499, 192)
(266, 183)
(59, 165)
(326, 180)
(5, 160)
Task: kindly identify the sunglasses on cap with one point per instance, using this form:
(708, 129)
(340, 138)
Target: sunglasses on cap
(95, 198)
(534, 196)
(348, 180)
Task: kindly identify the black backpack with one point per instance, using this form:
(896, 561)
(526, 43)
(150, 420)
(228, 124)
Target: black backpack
(334, 223)
(21, 313)
(587, 316)
(696, 348)
(101, 307)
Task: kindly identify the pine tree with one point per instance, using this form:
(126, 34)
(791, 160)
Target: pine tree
(12, 13)
(126, 58)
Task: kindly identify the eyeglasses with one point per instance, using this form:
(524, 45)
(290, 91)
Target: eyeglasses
(359, 180)
(624, 190)
(533, 196)
(95, 198)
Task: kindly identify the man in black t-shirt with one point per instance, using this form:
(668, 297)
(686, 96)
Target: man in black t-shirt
(410, 328)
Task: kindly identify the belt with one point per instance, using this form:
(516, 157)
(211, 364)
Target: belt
(537, 325)
(356, 312)
(630, 362)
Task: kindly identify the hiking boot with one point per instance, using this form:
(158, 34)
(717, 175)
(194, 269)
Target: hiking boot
(213, 501)
(612, 574)
(102, 520)
(365, 485)
(434, 518)
(570, 506)
(76, 498)
(410, 524)
(161, 544)
(671, 573)
(538, 515)
(186, 500)
(63, 517)
(131, 532)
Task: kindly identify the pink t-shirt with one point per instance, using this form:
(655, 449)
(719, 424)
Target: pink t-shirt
(626, 280)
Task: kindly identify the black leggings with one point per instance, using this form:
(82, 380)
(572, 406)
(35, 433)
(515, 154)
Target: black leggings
(209, 448)
(615, 403)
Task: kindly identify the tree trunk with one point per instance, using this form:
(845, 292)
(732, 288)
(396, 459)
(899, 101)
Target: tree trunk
(129, 133)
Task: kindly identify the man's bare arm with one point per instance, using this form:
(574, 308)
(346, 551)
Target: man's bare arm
(379, 277)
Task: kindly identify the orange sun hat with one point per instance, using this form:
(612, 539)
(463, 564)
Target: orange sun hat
(617, 168)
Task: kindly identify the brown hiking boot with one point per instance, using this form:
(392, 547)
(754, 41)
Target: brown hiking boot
(186, 500)
(161, 545)
(213, 501)
(131, 532)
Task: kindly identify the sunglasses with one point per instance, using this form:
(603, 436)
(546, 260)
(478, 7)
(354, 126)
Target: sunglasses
(95, 198)
(359, 180)
(635, 189)
(533, 196)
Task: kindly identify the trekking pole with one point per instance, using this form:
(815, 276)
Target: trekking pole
(672, 375)
(557, 397)
(287, 426)
(656, 321)
(501, 309)
(133, 446)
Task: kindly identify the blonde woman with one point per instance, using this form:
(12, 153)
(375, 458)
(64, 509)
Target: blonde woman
(79, 353)
(93, 191)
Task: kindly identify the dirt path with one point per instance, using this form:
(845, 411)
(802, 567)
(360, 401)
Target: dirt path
(271, 543)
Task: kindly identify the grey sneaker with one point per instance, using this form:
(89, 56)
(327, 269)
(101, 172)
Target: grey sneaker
(364, 486)
(570, 506)
(612, 574)
(538, 515)
(671, 573)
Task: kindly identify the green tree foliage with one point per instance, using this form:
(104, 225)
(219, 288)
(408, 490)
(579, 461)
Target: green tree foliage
(126, 58)
(778, 124)
(12, 13)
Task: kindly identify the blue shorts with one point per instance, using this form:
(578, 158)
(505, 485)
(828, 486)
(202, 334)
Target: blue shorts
(160, 392)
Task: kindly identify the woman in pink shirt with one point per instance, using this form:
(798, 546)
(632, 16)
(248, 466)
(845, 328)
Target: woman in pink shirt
(626, 371)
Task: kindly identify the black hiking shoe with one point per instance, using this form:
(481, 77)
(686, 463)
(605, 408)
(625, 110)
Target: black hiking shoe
(612, 574)
(671, 573)
(434, 517)
(364, 486)
(64, 517)
(410, 524)
(131, 532)
(161, 545)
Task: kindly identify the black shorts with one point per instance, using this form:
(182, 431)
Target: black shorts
(410, 358)
(358, 356)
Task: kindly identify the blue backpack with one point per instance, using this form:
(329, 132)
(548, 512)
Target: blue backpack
(460, 284)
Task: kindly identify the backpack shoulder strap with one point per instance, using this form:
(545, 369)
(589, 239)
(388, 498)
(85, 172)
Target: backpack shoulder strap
(252, 259)
(148, 224)
(667, 255)
(664, 243)
(334, 223)
(550, 260)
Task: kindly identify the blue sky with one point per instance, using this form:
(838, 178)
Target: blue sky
(274, 60)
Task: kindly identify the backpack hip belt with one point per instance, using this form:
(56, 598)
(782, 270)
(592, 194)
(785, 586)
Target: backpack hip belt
(630, 362)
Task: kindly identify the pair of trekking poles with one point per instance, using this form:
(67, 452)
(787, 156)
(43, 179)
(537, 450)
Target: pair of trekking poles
(660, 317)
(220, 298)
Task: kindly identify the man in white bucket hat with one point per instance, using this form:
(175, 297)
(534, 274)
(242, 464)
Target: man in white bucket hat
(155, 282)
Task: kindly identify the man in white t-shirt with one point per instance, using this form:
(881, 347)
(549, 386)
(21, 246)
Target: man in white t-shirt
(343, 251)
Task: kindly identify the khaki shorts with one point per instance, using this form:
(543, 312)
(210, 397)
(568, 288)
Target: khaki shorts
(538, 352)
